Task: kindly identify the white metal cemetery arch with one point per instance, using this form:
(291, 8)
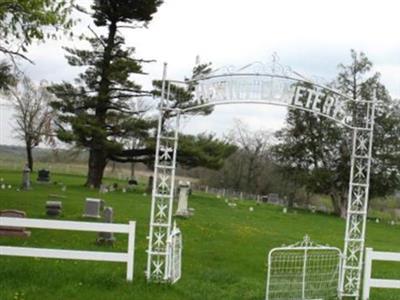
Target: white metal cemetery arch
(283, 89)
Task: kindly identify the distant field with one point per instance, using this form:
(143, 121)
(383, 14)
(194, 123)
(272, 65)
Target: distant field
(224, 254)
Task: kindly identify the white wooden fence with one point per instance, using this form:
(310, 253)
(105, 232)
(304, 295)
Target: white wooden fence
(371, 255)
(127, 257)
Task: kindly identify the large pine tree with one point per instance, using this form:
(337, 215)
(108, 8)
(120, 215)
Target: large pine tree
(98, 112)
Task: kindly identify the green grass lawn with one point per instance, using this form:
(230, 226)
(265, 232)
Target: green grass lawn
(224, 255)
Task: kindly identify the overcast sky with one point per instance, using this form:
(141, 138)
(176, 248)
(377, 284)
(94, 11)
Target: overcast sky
(310, 36)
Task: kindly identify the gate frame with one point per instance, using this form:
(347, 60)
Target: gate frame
(305, 246)
(165, 164)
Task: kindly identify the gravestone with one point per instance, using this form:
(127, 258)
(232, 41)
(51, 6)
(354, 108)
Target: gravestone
(43, 176)
(182, 209)
(132, 183)
(53, 208)
(26, 180)
(149, 188)
(13, 231)
(273, 198)
(106, 237)
(93, 208)
(54, 204)
(103, 189)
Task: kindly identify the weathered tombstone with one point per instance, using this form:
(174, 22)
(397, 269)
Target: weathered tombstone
(312, 208)
(106, 237)
(183, 210)
(274, 199)
(26, 180)
(13, 231)
(149, 188)
(93, 208)
(43, 176)
(53, 208)
(103, 189)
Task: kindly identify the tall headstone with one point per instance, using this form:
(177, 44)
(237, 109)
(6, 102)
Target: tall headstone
(149, 188)
(107, 237)
(183, 209)
(26, 178)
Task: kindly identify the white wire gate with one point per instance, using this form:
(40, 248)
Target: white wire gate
(175, 255)
(304, 271)
(255, 83)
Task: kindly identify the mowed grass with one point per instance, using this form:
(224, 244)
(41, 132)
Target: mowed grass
(224, 254)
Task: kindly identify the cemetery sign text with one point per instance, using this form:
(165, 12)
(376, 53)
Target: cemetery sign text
(279, 90)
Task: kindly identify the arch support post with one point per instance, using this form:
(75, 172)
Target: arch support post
(358, 196)
(162, 193)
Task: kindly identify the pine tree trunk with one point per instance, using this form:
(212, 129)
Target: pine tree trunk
(96, 166)
(97, 155)
(29, 156)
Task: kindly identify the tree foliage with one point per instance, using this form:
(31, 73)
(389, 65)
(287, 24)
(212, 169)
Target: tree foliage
(23, 21)
(182, 96)
(320, 150)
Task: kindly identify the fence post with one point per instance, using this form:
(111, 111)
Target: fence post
(131, 251)
(367, 273)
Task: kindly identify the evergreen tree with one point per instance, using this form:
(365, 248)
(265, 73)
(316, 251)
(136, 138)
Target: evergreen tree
(98, 113)
(320, 150)
(193, 150)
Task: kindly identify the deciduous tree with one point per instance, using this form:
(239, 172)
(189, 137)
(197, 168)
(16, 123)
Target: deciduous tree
(320, 150)
(33, 115)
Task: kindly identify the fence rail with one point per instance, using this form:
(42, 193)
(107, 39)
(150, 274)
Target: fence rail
(370, 256)
(127, 257)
